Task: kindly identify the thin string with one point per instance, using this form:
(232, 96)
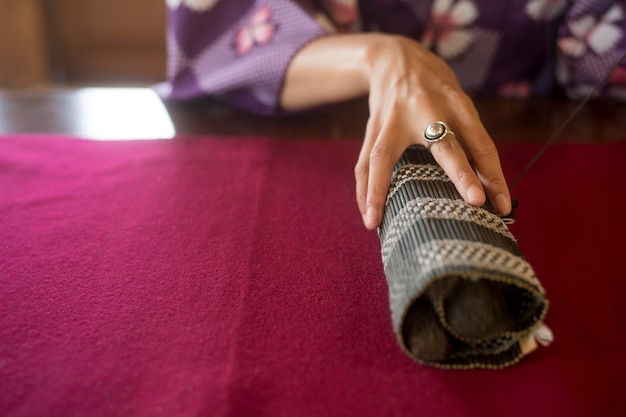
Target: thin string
(563, 125)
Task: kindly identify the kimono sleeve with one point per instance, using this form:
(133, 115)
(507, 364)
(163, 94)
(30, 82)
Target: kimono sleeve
(236, 51)
(590, 42)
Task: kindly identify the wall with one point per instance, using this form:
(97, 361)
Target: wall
(23, 59)
(81, 41)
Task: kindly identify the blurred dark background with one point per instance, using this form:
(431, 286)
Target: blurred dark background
(69, 42)
(51, 50)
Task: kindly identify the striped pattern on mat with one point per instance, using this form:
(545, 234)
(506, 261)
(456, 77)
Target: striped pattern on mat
(461, 293)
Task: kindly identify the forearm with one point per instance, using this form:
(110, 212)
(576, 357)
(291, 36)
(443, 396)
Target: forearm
(343, 67)
(329, 70)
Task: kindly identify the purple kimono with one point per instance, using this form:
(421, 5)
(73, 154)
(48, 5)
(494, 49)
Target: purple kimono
(239, 51)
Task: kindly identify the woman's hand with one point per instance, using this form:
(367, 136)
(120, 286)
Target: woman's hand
(409, 88)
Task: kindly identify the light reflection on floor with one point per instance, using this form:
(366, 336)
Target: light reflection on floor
(121, 114)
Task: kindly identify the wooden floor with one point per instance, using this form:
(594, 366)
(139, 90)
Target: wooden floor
(132, 113)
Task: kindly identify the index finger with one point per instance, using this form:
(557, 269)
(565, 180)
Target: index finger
(382, 158)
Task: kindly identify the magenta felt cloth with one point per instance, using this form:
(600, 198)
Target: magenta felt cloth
(232, 277)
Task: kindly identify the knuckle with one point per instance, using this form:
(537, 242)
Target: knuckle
(496, 183)
(380, 153)
(446, 148)
(420, 96)
(465, 175)
(466, 101)
(457, 96)
(484, 147)
(360, 170)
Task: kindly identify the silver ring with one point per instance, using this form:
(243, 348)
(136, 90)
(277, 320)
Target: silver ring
(436, 132)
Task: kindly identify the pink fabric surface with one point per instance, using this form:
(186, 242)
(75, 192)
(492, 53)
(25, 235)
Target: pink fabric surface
(232, 277)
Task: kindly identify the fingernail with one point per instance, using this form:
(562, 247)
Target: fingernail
(503, 205)
(371, 218)
(475, 194)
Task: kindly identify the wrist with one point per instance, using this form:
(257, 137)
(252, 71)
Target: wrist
(388, 55)
(331, 69)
